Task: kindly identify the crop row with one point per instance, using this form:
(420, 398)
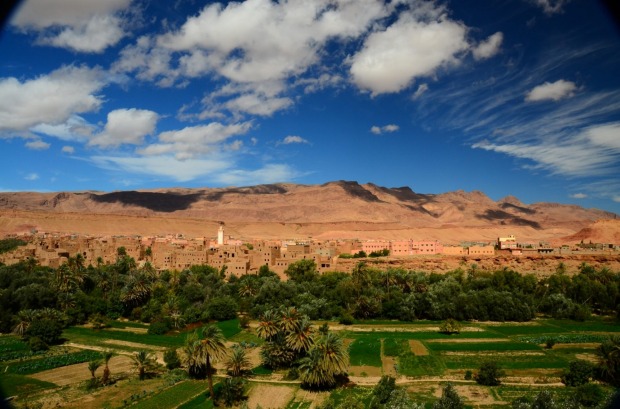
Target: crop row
(51, 362)
(565, 338)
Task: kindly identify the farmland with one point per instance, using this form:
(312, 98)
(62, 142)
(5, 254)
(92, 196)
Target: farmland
(519, 350)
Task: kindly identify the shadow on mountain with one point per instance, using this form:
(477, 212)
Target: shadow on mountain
(157, 202)
(250, 190)
(507, 218)
(356, 190)
(518, 208)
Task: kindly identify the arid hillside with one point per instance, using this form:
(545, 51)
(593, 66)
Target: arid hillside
(333, 210)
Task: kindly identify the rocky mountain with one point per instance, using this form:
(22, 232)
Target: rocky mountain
(331, 208)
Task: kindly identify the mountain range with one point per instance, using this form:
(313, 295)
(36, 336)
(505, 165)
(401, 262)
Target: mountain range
(341, 209)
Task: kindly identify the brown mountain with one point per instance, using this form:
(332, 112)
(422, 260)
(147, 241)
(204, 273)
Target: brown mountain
(339, 209)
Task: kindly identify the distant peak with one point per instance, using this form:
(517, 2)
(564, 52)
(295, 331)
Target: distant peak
(511, 200)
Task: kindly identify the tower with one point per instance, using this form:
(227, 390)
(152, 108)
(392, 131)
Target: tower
(220, 235)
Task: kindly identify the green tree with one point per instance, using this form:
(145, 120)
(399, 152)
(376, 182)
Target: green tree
(144, 363)
(450, 326)
(579, 373)
(489, 374)
(171, 358)
(93, 366)
(211, 349)
(106, 356)
(609, 360)
(327, 359)
(450, 399)
(238, 362)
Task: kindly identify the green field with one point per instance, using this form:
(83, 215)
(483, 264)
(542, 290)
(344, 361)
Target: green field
(32, 366)
(481, 346)
(365, 351)
(171, 397)
(12, 385)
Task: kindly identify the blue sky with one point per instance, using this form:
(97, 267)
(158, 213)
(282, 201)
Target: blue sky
(511, 97)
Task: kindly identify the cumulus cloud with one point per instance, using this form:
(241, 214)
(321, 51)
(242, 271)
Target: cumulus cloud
(74, 129)
(378, 130)
(415, 46)
(489, 47)
(552, 91)
(293, 139)
(579, 196)
(79, 25)
(194, 141)
(68, 150)
(126, 126)
(48, 99)
(37, 145)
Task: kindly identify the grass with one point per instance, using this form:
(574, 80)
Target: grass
(261, 370)
(514, 362)
(247, 337)
(422, 335)
(13, 348)
(394, 346)
(198, 402)
(126, 324)
(365, 351)
(298, 405)
(89, 336)
(565, 338)
(56, 361)
(170, 397)
(482, 346)
(428, 365)
(13, 385)
(229, 328)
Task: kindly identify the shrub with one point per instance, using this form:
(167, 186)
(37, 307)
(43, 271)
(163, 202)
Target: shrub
(292, 374)
(244, 321)
(346, 319)
(159, 327)
(489, 374)
(589, 395)
(468, 375)
(222, 308)
(579, 373)
(450, 326)
(49, 331)
(450, 399)
(171, 359)
(383, 389)
(37, 345)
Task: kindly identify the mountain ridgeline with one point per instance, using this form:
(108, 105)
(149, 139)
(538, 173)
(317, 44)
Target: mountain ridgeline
(333, 202)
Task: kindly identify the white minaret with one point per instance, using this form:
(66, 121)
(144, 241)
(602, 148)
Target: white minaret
(220, 235)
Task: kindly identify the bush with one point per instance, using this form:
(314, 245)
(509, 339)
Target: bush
(383, 389)
(346, 319)
(49, 331)
(171, 359)
(468, 375)
(579, 373)
(37, 345)
(549, 343)
(589, 395)
(222, 309)
(450, 326)
(244, 321)
(489, 374)
(292, 374)
(159, 327)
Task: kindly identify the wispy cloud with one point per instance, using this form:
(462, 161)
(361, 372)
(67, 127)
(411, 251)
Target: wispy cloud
(579, 196)
(37, 145)
(551, 6)
(31, 176)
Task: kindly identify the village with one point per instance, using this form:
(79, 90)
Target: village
(238, 257)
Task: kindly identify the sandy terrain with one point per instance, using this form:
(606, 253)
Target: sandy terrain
(417, 347)
(79, 372)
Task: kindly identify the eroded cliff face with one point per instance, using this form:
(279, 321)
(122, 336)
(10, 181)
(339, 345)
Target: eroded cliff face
(335, 209)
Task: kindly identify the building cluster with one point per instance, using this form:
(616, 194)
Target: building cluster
(175, 252)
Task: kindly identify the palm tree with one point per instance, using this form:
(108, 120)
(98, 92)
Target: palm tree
(106, 356)
(268, 326)
(195, 366)
(144, 362)
(327, 359)
(609, 359)
(300, 338)
(93, 366)
(25, 319)
(212, 348)
(288, 319)
(238, 362)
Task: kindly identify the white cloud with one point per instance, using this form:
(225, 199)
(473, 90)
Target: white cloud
(579, 196)
(551, 6)
(293, 139)
(79, 25)
(74, 129)
(37, 145)
(48, 99)
(422, 88)
(31, 176)
(378, 130)
(194, 141)
(68, 149)
(126, 126)
(616, 199)
(489, 47)
(257, 104)
(270, 173)
(553, 91)
(415, 46)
